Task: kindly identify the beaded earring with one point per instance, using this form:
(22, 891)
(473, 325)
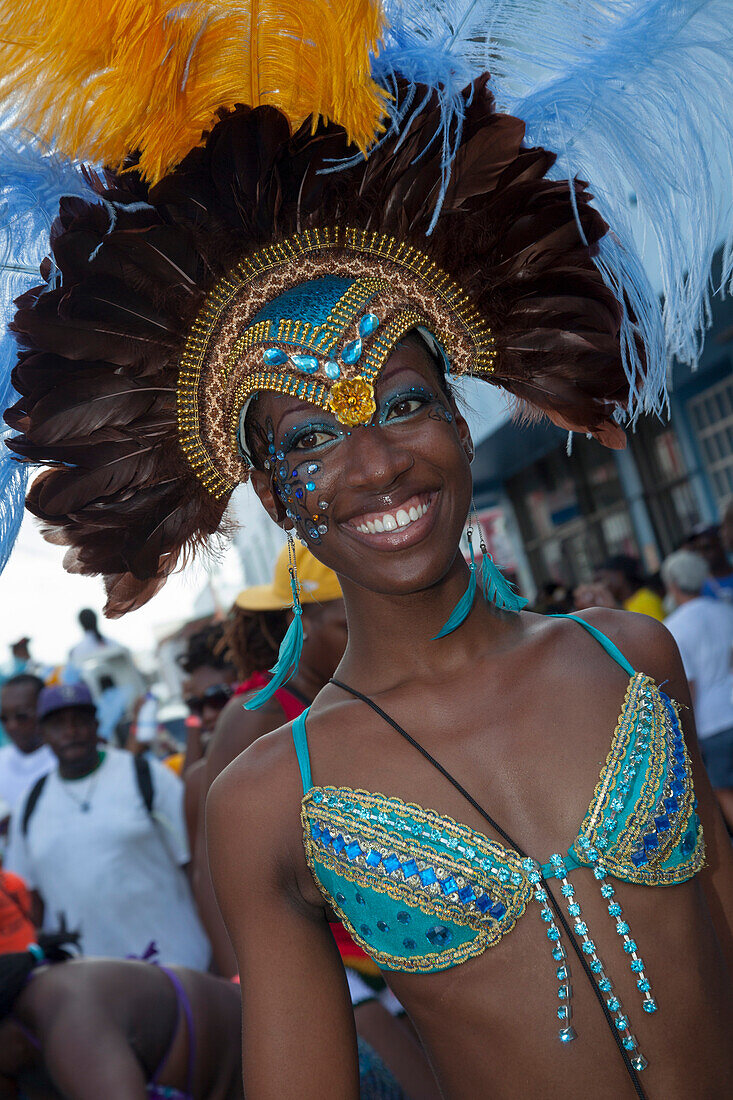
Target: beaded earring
(464, 605)
(291, 646)
(494, 585)
(496, 588)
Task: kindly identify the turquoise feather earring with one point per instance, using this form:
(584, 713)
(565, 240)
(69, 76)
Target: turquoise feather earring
(495, 587)
(291, 646)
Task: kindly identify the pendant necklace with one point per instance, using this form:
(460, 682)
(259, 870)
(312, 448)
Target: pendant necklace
(85, 802)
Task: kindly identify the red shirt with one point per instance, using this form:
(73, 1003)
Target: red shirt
(16, 928)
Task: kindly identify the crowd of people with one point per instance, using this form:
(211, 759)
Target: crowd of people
(104, 865)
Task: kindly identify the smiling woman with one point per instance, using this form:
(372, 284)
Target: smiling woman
(289, 303)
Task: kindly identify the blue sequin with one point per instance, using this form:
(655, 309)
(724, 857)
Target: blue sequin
(351, 352)
(439, 935)
(368, 323)
(274, 357)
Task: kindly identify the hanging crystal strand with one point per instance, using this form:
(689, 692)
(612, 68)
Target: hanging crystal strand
(565, 1010)
(588, 947)
(629, 944)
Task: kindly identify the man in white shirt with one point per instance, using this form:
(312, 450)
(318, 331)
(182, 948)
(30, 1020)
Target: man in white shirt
(26, 757)
(703, 629)
(103, 842)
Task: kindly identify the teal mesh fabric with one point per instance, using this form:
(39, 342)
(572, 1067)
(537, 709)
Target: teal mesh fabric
(311, 301)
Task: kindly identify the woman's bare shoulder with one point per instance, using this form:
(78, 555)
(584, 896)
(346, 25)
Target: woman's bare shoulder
(263, 780)
(645, 642)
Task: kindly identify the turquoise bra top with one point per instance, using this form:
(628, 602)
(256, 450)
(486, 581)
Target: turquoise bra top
(419, 891)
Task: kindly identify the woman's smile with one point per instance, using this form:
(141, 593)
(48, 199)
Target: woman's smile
(399, 527)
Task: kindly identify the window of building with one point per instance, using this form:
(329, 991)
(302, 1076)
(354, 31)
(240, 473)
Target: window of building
(711, 415)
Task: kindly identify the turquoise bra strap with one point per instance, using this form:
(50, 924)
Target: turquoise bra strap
(607, 644)
(300, 739)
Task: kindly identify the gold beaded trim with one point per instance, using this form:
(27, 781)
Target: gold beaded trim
(203, 332)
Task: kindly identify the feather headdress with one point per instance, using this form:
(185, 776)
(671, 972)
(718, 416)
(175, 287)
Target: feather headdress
(129, 397)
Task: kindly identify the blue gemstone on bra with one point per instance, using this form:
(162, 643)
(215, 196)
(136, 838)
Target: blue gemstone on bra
(340, 898)
(409, 944)
(497, 910)
(339, 844)
(409, 868)
(688, 844)
(351, 352)
(307, 363)
(332, 370)
(671, 805)
(677, 787)
(274, 357)
(353, 850)
(373, 859)
(359, 899)
(428, 876)
(391, 864)
(315, 831)
(368, 323)
(403, 917)
(449, 885)
(679, 771)
(326, 838)
(651, 840)
(483, 902)
(439, 935)
(382, 926)
(466, 895)
(639, 857)
(661, 823)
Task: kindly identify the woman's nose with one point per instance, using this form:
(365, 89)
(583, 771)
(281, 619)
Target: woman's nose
(376, 458)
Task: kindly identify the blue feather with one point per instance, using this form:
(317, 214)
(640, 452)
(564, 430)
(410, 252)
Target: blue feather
(463, 608)
(31, 185)
(628, 93)
(288, 657)
(497, 589)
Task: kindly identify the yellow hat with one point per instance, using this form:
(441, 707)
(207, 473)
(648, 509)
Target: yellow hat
(318, 584)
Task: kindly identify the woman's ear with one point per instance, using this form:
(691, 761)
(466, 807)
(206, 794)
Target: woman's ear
(464, 432)
(262, 485)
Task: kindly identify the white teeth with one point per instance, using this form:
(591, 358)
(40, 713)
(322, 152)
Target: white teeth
(389, 522)
(378, 525)
(414, 514)
(402, 518)
(370, 527)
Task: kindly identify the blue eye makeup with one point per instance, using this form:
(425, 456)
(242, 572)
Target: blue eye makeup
(404, 404)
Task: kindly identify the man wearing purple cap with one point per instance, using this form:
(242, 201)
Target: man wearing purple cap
(102, 841)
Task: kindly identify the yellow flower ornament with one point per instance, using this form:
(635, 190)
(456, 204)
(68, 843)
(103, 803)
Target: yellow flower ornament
(352, 401)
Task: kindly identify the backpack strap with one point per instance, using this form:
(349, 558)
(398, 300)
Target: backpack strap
(144, 780)
(30, 803)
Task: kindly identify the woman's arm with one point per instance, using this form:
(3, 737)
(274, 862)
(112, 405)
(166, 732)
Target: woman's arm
(298, 1027)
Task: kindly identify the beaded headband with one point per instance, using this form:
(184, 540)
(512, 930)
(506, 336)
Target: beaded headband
(315, 316)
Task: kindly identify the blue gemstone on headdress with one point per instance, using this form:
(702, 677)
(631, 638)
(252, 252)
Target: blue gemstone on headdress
(307, 363)
(274, 357)
(439, 935)
(351, 352)
(332, 370)
(368, 323)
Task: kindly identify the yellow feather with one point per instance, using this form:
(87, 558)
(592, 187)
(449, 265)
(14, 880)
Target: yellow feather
(99, 79)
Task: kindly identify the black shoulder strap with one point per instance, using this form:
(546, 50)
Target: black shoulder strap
(30, 803)
(144, 779)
